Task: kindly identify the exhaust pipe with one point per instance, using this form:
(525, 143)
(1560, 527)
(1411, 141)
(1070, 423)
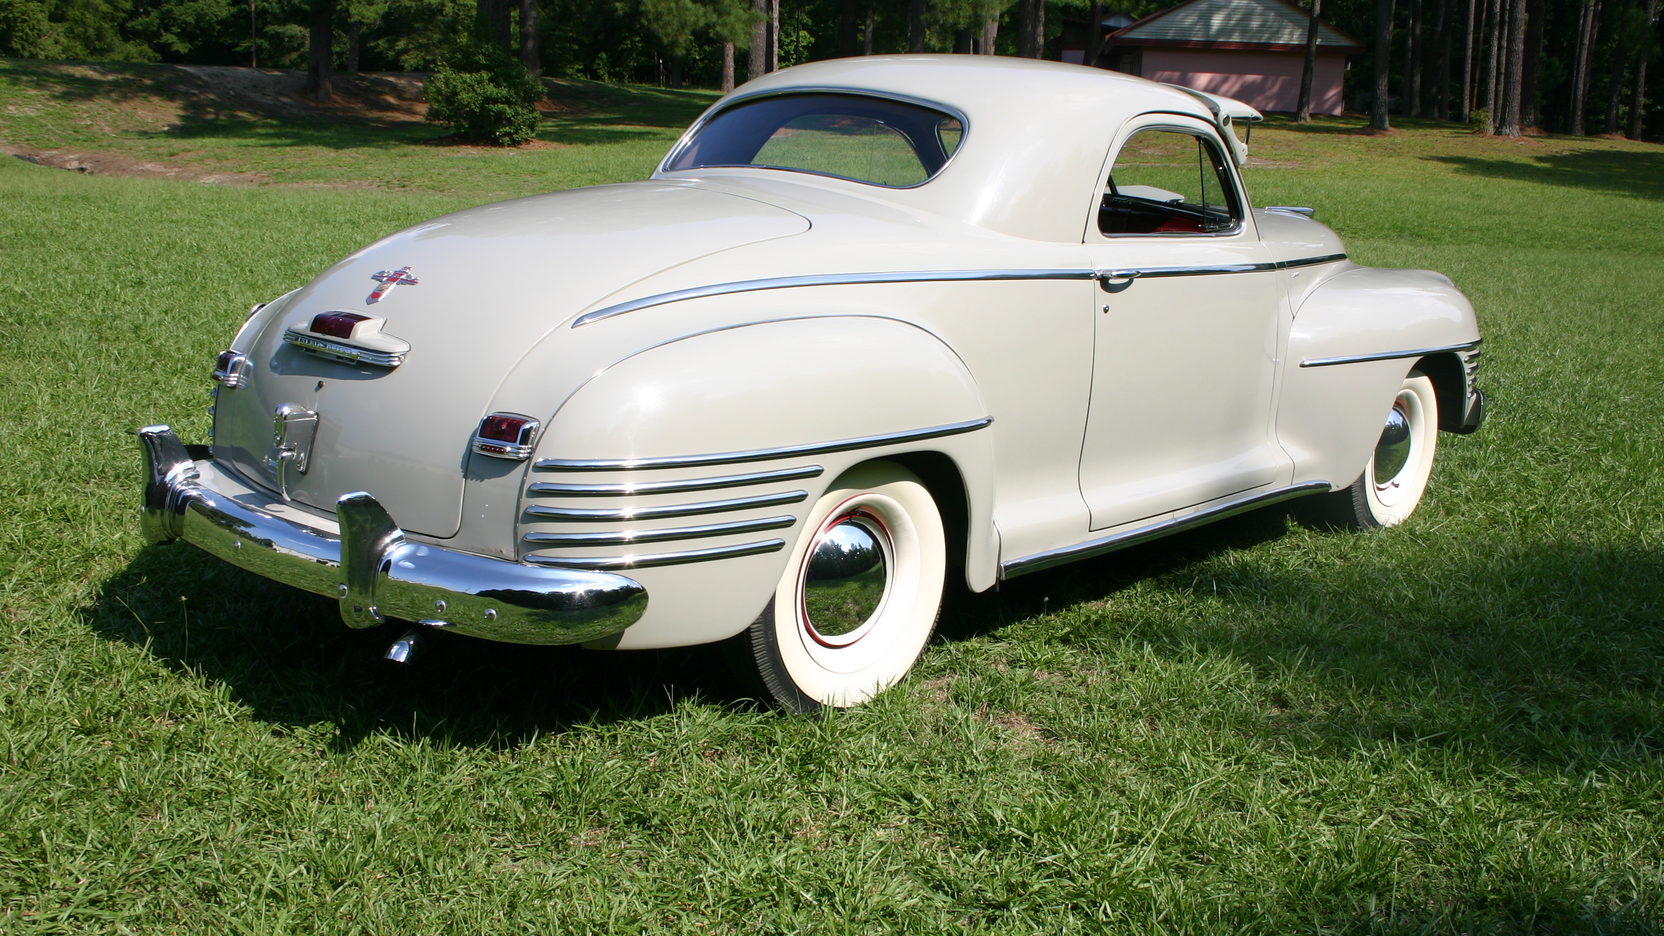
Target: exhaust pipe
(407, 646)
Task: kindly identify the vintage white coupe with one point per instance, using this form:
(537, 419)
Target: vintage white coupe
(871, 324)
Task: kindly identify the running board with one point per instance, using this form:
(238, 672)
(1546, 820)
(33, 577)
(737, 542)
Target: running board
(1056, 557)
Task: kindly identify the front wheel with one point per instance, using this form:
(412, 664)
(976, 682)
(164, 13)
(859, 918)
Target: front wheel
(1396, 476)
(860, 594)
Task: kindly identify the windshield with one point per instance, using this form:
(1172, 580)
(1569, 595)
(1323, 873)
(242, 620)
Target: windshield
(868, 139)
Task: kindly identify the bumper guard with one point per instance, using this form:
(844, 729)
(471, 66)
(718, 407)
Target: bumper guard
(373, 570)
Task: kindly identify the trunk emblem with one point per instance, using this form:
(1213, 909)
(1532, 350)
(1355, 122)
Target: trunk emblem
(390, 278)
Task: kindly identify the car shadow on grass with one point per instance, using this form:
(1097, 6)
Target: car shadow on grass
(286, 655)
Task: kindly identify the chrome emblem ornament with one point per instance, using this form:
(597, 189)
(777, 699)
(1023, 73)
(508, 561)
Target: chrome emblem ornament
(293, 429)
(390, 278)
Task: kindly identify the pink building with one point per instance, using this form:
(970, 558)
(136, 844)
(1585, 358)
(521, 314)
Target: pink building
(1251, 50)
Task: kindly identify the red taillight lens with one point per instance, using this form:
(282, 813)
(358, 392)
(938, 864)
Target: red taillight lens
(504, 435)
(337, 324)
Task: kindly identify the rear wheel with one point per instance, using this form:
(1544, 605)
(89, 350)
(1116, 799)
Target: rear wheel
(1396, 476)
(859, 596)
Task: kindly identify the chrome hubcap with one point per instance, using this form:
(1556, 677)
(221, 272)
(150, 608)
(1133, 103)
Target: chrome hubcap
(845, 580)
(1392, 453)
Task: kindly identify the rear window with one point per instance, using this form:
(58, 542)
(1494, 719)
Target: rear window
(868, 139)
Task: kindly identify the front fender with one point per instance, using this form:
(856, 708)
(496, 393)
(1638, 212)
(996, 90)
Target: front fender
(825, 392)
(1354, 338)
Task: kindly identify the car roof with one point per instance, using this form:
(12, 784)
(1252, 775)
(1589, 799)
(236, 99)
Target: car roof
(1036, 132)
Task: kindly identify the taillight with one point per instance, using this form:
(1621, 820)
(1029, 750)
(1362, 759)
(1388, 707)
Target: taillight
(505, 435)
(231, 369)
(337, 324)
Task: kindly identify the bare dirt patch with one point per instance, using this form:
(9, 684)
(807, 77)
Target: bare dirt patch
(105, 163)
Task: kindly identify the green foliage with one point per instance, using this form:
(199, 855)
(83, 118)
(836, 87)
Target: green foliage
(25, 31)
(485, 96)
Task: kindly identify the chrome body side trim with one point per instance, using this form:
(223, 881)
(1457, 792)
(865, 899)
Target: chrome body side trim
(666, 534)
(661, 559)
(1293, 210)
(1056, 557)
(1390, 355)
(623, 514)
(554, 489)
(729, 458)
(825, 279)
(928, 276)
(373, 569)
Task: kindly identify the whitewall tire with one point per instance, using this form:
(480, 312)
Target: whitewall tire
(860, 594)
(1396, 476)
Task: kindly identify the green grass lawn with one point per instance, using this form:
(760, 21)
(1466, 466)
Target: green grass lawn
(1455, 726)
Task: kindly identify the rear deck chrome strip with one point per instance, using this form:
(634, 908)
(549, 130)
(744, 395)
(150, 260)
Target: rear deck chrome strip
(591, 514)
(635, 488)
(1390, 355)
(729, 458)
(659, 559)
(1056, 557)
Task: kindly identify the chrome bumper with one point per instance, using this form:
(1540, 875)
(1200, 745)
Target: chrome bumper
(371, 567)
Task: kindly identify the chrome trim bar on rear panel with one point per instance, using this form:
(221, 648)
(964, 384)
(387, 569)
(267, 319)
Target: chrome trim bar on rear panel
(635, 488)
(926, 276)
(591, 514)
(659, 559)
(340, 351)
(1390, 355)
(729, 458)
(1057, 557)
(627, 537)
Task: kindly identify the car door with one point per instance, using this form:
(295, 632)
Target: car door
(1190, 316)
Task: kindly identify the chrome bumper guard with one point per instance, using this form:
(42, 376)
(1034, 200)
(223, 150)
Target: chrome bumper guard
(373, 570)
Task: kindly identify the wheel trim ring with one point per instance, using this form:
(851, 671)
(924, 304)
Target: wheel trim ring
(1388, 491)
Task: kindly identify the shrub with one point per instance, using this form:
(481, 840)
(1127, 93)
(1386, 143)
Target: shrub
(485, 96)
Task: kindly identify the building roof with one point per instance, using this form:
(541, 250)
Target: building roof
(1233, 24)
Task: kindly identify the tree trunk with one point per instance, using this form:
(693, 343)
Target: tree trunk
(320, 66)
(1466, 107)
(531, 46)
(915, 26)
(849, 38)
(1614, 99)
(1638, 102)
(990, 33)
(1303, 111)
(1095, 33)
(1586, 30)
(1516, 69)
(1535, 14)
(867, 30)
(727, 66)
(1383, 65)
(1412, 59)
(962, 41)
(774, 34)
(1493, 50)
(253, 37)
(354, 30)
(495, 22)
(1441, 63)
(757, 60)
(1031, 29)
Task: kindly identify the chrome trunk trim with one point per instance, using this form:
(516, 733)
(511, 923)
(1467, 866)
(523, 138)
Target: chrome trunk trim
(603, 514)
(341, 351)
(666, 534)
(729, 458)
(1390, 355)
(1056, 557)
(661, 559)
(554, 489)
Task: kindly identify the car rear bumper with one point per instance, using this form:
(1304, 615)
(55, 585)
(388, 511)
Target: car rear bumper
(370, 566)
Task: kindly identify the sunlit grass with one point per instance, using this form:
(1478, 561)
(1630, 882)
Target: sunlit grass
(1455, 726)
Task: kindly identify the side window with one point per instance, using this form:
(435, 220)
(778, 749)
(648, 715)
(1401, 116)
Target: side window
(1168, 182)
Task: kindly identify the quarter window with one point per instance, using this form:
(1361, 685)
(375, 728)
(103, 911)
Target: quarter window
(1168, 182)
